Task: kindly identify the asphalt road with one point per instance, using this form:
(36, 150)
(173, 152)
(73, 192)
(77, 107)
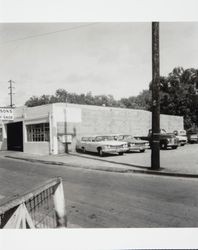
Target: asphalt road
(97, 199)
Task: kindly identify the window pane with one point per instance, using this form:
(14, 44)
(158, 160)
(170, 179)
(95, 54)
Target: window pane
(38, 132)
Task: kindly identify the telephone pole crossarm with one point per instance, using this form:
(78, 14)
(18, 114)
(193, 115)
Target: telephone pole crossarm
(11, 93)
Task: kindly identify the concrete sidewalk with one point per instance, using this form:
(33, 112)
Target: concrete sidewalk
(92, 162)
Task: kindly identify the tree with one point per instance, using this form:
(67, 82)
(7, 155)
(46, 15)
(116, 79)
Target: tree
(176, 95)
(36, 101)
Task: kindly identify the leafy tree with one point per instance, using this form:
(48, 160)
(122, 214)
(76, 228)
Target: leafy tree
(176, 97)
(177, 91)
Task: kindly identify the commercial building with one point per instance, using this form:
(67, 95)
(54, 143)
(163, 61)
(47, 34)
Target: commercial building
(47, 129)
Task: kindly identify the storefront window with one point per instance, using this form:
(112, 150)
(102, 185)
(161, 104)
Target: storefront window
(38, 132)
(1, 134)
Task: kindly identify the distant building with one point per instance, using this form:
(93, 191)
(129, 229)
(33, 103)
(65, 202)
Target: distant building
(46, 129)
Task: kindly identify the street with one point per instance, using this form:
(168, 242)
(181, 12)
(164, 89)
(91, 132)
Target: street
(98, 199)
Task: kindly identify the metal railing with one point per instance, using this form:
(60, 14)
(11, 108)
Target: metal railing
(43, 207)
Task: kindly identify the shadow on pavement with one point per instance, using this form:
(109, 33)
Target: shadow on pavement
(105, 159)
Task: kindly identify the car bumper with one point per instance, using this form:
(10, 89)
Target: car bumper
(135, 148)
(172, 145)
(182, 142)
(193, 140)
(114, 150)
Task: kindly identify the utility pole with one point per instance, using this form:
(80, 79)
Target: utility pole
(66, 142)
(155, 140)
(11, 93)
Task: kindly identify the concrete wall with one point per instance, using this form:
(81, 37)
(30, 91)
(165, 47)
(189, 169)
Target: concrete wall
(94, 120)
(171, 122)
(105, 120)
(39, 148)
(3, 144)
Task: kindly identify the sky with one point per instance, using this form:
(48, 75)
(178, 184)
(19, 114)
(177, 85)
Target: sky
(102, 58)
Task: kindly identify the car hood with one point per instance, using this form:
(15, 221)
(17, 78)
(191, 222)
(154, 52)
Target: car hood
(136, 141)
(181, 136)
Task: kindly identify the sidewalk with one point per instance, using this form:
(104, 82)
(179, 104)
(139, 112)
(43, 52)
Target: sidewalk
(110, 164)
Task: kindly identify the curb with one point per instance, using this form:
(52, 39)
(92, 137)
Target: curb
(107, 169)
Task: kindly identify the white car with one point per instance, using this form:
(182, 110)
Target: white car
(134, 144)
(181, 136)
(101, 145)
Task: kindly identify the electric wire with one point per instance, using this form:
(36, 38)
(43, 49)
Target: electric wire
(48, 33)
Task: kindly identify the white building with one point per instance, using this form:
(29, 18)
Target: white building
(48, 128)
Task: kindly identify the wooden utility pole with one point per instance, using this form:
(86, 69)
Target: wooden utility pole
(11, 93)
(155, 142)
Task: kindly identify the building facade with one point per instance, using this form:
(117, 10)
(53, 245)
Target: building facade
(47, 129)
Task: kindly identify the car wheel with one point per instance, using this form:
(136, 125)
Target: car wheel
(163, 146)
(120, 153)
(100, 153)
(142, 150)
(174, 147)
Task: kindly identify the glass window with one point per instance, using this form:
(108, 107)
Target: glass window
(38, 132)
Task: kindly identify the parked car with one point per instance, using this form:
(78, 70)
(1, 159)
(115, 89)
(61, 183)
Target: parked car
(192, 136)
(181, 136)
(102, 145)
(133, 143)
(167, 140)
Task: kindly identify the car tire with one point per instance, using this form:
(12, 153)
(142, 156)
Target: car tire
(100, 152)
(174, 147)
(120, 153)
(142, 150)
(83, 150)
(163, 146)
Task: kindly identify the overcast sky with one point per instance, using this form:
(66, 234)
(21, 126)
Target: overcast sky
(104, 58)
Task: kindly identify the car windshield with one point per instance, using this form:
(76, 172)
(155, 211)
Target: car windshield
(182, 132)
(104, 138)
(125, 137)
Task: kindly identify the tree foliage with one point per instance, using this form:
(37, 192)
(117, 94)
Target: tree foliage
(176, 97)
(142, 101)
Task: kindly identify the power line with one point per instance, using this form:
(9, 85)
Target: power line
(48, 33)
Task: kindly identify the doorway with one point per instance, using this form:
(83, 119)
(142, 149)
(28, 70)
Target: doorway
(15, 136)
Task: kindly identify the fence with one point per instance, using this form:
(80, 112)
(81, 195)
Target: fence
(43, 207)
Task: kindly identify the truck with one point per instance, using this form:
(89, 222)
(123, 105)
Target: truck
(181, 136)
(167, 140)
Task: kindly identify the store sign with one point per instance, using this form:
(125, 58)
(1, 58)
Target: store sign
(6, 114)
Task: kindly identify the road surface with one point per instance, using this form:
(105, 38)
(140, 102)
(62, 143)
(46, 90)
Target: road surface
(98, 199)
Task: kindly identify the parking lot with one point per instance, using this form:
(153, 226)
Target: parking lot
(181, 160)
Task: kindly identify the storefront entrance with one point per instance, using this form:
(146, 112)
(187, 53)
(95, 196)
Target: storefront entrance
(15, 136)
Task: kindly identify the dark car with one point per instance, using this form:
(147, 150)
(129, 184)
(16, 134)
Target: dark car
(192, 136)
(167, 140)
